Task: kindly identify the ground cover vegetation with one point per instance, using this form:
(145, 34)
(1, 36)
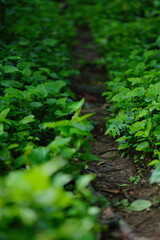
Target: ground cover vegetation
(128, 37)
(43, 136)
(42, 133)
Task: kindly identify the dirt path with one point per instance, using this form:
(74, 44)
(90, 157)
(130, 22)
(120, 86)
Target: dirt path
(112, 172)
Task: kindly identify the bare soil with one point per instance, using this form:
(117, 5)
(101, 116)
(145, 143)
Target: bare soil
(112, 172)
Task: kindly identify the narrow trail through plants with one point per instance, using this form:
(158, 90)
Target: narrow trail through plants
(113, 172)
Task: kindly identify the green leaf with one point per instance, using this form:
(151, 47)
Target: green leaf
(83, 181)
(51, 101)
(1, 129)
(36, 104)
(137, 126)
(115, 127)
(59, 142)
(142, 113)
(140, 134)
(54, 86)
(134, 80)
(62, 179)
(81, 118)
(27, 119)
(153, 162)
(140, 205)
(12, 146)
(123, 146)
(155, 177)
(67, 153)
(57, 124)
(152, 92)
(142, 146)
(61, 101)
(10, 83)
(45, 70)
(77, 105)
(60, 113)
(38, 155)
(138, 92)
(39, 91)
(121, 139)
(10, 69)
(84, 126)
(13, 92)
(54, 75)
(3, 114)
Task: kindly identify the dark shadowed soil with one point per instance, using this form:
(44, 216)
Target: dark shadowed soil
(112, 172)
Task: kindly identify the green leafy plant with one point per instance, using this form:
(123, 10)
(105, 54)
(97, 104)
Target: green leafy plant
(127, 35)
(43, 137)
(36, 201)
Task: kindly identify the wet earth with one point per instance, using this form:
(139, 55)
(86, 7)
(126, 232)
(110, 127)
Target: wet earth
(112, 171)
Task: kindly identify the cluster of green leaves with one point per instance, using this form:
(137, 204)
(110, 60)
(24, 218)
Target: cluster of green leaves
(42, 133)
(128, 36)
(28, 102)
(34, 204)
